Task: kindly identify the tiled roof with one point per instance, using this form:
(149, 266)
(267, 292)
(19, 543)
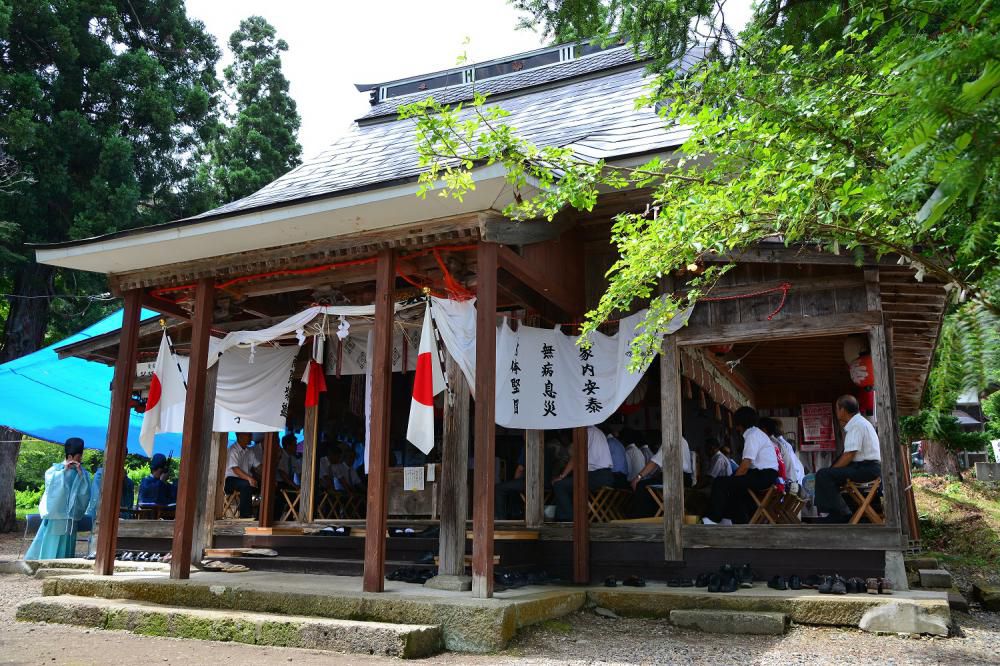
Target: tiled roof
(594, 113)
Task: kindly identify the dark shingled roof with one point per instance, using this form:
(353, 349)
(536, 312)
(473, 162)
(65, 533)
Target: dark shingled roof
(587, 104)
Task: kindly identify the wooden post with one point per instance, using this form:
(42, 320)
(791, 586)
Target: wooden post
(378, 456)
(221, 447)
(581, 512)
(885, 408)
(307, 484)
(454, 473)
(486, 361)
(268, 480)
(115, 447)
(208, 471)
(673, 452)
(534, 478)
(194, 421)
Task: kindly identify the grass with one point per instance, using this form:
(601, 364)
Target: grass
(960, 523)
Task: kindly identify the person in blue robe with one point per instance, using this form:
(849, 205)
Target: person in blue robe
(67, 494)
(154, 490)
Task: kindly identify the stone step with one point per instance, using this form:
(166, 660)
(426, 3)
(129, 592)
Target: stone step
(916, 563)
(406, 641)
(986, 594)
(731, 622)
(957, 601)
(935, 578)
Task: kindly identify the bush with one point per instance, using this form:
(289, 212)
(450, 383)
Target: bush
(28, 499)
(137, 474)
(33, 460)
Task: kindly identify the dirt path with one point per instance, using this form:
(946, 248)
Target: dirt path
(583, 638)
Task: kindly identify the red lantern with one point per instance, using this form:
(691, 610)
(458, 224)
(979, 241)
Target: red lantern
(720, 350)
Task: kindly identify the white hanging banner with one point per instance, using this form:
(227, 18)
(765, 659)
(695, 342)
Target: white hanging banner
(350, 355)
(544, 380)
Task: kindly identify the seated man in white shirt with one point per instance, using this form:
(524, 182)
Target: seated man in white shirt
(758, 471)
(860, 462)
(642, 504)
(598, 473)
(633, 454)
(239, 463)
(794, 472)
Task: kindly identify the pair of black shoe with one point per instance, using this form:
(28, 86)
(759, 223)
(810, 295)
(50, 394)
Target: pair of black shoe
(793, 582)
(832, 585)
(729, 578)
(631, 581)
(411, 575)
(511, 580)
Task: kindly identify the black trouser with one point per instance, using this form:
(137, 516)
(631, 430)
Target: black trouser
(642, 504)
(829, 481)
(503, 494)
(621, 480)
(246, 491)
(563, 490)
(730, 498)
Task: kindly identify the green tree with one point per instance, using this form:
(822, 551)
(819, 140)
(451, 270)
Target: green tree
(101, 105)
(259, 142)
(943, 438)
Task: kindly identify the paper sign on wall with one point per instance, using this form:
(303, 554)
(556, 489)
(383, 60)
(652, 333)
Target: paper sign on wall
(413, 478)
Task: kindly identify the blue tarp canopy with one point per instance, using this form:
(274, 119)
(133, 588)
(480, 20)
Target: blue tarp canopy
(53, 399)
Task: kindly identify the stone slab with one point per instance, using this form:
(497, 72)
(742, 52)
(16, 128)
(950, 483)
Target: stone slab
(468, 624)
(987, 595)
(957, 601)
(935, 578)
(801, 606)
(915, 563)
(731, 622)
(17, 567)
(406, 641)
(902, 618)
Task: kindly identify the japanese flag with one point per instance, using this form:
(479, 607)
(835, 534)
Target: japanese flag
(166, 394)
(428, 381)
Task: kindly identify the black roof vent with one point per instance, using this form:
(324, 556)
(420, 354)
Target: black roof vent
(379, 92)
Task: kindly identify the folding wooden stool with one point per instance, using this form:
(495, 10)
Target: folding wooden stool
(600, 505)
(231, 505)
(291, 499)
(862, 495)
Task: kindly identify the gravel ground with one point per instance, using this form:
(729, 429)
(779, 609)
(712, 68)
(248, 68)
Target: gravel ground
(582, 638)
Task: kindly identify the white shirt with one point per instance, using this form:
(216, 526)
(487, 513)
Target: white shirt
(338, 471)
(598, 451)
(636, 461)
(793, 466)
(646, 453)
(759, 448)
(686, 467)
(860, 436)
(238, 457)
(720, 466)
(289, 461)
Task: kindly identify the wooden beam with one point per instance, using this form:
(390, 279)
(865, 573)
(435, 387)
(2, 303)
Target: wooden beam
(310, 447)
(534, 478)
(115, 446)
(221, 444)
(485, 425)
(519, 268)
(164, 307)
(673, 452)
(797, 327)
(454, 473)
(194, 421)
(381, 415)
(581, 513)
(208, 471)
(799, 285)
(268, 480)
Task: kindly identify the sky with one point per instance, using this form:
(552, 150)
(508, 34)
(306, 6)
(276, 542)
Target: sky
(333, 44)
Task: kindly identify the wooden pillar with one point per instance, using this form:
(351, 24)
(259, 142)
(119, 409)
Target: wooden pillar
(115, 447)
(378, 455)
(885, 408)
(307, 484)
(221, 446)
(194, 423)
(208, 473)
(454, 473)
(581, 512)
(486, 362)
(268, 480)
(672, 450)
(534, 478)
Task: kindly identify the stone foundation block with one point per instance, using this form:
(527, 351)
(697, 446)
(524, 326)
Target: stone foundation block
(730, 622)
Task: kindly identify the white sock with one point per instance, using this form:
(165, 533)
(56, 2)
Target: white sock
(725, 521)
(708, 521)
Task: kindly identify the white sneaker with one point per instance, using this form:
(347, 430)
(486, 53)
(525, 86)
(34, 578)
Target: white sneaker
(725, 521)
(708, 521)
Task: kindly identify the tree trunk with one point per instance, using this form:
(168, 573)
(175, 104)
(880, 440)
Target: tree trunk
(10, 446)
(940, 461)
(24, 332)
